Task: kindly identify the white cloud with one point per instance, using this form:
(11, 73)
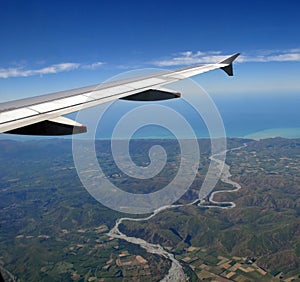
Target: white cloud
(52, 69)
(189, 57)
(273, 56)
(92, 66)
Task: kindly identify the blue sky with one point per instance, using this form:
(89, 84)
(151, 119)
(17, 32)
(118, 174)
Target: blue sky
(49, 46)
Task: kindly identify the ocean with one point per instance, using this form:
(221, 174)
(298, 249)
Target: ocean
(245, 115)
(260, 115)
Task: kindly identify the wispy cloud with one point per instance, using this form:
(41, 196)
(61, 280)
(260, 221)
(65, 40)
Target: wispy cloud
(290, 55)
(199, 57)
(188, 58)
(52, 69)
(92, 66)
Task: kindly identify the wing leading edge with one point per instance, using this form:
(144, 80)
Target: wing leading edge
(43, 115)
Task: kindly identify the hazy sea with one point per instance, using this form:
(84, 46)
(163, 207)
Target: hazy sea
(261, 115)
(247, 115)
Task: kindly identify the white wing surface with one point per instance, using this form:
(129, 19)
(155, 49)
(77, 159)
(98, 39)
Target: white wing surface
(43, 115)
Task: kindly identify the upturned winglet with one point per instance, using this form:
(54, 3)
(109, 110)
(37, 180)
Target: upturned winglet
(229, 69)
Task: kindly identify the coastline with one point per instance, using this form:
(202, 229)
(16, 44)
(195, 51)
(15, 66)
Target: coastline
(288, 133)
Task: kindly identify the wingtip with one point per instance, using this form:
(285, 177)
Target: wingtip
(228, 62)
(230, 59)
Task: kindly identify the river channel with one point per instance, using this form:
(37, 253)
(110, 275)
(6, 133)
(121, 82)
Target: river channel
(176, 272)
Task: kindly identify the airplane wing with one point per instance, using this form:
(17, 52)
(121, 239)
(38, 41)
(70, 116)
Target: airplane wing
(43, 115)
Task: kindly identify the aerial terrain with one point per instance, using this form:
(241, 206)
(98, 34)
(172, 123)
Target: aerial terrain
(53, 230)
(246, 229)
